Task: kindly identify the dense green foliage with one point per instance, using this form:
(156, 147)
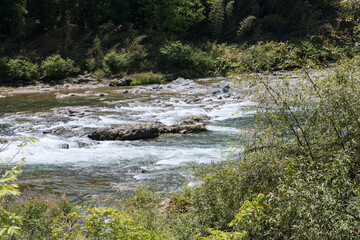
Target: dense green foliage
(25, 19)
(186, 59)
(270, 56)
(21, 69)
(298, 178)
(56, 67)
(125, 37)
(124, 61)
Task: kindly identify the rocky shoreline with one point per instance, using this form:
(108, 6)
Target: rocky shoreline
(90, 81)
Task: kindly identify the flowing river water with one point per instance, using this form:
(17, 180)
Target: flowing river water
(65, 160)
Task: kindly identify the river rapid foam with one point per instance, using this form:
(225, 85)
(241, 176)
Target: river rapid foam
(66, 160)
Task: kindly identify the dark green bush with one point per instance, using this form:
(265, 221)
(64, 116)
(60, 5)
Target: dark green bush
(185, 60)
(21, 69)
(116, 62)
(56, 67)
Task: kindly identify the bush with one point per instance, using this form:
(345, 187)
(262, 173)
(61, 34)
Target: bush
(139, 221)
(39, 213)
(272, 56)
(91, 64)
(116, 62)
(306, 138)
(56, 67)
(146, 78)
(186, 60)
(21, 69)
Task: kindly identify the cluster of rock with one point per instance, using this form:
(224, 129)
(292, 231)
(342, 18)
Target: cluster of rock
(74, 112)
(87, 78)
(177, 85)
(145, 131)
(123, 82)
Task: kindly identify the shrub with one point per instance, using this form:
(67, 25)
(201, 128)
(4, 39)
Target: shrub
(115, 62)
(139, 221)
(56, 67)
(21, 69)
(272, 56)
(91, 64)
(38, 214)
(146, 78)
(9, 222)
(186, 60)
(306, 138)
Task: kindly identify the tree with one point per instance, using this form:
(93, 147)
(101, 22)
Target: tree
(12, 14)
(171, 16)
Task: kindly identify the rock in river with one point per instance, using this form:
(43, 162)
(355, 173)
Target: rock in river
(144, 131)
(127, 132)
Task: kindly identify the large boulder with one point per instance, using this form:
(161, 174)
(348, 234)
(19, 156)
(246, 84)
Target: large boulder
(144, 131)
(127, 132)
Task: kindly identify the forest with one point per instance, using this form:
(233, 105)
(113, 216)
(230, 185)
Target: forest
(177, 38)
(294, 171)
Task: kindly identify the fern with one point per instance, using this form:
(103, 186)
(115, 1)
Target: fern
(246, 25)
(229, 8)
(216, 17)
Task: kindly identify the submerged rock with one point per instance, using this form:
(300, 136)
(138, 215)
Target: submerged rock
(83, 144)
(74, 112)
(64, 146)
(226, 89)
(3, 141)
(5, 129)
(144, 131)
(56, 131)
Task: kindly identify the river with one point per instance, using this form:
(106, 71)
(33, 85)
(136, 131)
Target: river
(65, 160)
